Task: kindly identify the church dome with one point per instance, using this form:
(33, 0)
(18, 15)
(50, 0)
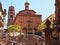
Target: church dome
(26, 3)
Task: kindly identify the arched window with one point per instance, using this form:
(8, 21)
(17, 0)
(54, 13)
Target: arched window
(35, 43)
(11, 16)
(26, 6)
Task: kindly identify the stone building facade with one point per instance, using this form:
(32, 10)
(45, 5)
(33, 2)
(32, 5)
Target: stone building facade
(26, 18)
(51, 18)
(57, 9)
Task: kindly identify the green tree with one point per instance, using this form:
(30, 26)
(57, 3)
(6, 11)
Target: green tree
(43, 26)
(12, 28)
(52, 23)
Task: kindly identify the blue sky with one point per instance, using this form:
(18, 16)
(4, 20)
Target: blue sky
(40, 6)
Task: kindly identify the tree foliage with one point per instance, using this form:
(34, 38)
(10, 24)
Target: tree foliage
(43, 26)
(52, 23)
(12, 28)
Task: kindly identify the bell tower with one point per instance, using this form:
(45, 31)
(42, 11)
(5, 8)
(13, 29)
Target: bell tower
(11, 15)
(26, 6)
